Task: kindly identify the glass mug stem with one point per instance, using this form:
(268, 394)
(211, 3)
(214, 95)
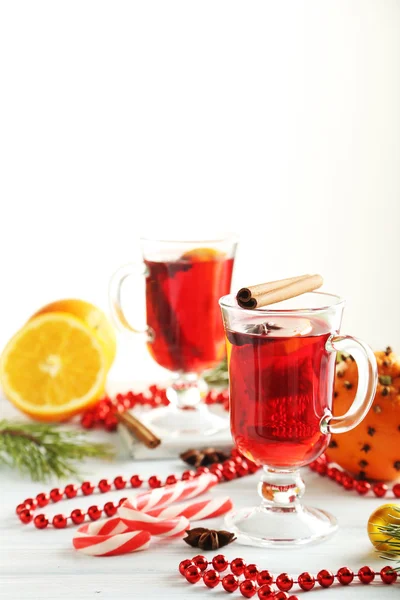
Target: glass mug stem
(280, 489)
(366, 389)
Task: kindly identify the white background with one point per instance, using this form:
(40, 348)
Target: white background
(276, 119)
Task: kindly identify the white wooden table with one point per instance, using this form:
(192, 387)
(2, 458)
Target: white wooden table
(42, 565)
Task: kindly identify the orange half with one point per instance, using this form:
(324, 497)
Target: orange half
(54, 367)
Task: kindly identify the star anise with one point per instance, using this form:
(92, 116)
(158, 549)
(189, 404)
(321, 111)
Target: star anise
(208, 539)
(204, 457)
(262, 328)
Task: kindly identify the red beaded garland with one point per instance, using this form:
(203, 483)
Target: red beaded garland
(119, 482)
(30, 503)
(325, 578)
(20, 508)
(396, 490)
(171, 479)
(104, 486)
(136, 481)
(247, 588)
(154, 482)
(380, 489)
(42, 499)
(187, 475)
(237, 566)
(366, 575)
(110, 509)
(25, 516)
(211, 578)
(230, 583)
(87, 488)
(280, 596)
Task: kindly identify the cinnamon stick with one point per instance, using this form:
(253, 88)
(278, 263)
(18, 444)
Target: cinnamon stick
(260, 295)
(140, 431)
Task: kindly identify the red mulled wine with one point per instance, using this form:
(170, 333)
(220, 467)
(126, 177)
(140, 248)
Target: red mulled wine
(281, 383)
(183, 312)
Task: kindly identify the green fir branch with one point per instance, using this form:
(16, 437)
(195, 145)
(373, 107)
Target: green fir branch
(42, 451)
(218, 377)
(392, 531)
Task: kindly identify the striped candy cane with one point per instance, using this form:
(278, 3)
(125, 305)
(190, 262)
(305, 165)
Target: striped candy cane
(136, 519)
(203, 509)
(109, 538)
(182, 490)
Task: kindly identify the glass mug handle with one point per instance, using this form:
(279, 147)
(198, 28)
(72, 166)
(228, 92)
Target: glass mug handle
(367, 380)
(114, 294)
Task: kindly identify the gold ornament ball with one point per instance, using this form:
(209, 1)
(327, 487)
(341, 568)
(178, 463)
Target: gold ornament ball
(387, 514)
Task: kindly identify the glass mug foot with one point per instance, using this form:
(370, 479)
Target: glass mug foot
(171, 421)
(280, 526)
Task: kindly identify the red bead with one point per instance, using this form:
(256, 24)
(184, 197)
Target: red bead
(396, 490)
(87, 488)
(121, 501)
(200, 561)
(25, 516)
(154, 482)
(192, 574)
(119, 483)
(230, 583)
(362, 487)
(94, 512)
(338, 476)
(345, 576)
(265, 592)
(59, 521)
(306, 581)
(40, 521)
(264, 578)
(77, 516)
(70, 490)
(228, 463)
(247, 588)
(30, 503)
(110, 509)
(284, 582)
(293, 598)
(347, 482)
(183, 565)
(388, 575)
(104, 486)
(242, 470)
(380, 489)
(136, 481)
(325, 578)
(280, 596)
(321, 469)
(220, 563)
(42, 499)
(216, 467)
(171, 479)
(250, 571)
(20, 508)
(55, 495)
(366, 575)
(217, 472)
(229, 473)
(211, 578)
(253, 468)
(202, 470)
(87, 420)
(331, 472)
(238, 566)
(111, 422)
(186, 475)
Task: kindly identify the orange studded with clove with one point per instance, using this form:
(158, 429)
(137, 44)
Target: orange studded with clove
(372, 449)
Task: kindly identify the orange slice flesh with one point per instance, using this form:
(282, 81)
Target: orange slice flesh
(203, 254)
(54, 367)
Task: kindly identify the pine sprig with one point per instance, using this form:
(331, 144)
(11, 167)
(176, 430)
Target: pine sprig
(218, 376)
(42, 450)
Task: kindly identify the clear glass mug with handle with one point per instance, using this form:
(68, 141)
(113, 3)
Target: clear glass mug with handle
(281, 361)
(184, 333)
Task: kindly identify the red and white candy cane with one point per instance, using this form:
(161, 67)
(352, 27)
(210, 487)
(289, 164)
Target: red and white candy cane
(136, 519)
(203, 509)
(182, 490)
(109, 538)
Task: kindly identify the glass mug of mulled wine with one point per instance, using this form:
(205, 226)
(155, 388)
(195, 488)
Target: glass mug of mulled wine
(281, 362)
(184, 333)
